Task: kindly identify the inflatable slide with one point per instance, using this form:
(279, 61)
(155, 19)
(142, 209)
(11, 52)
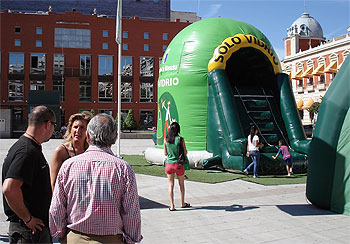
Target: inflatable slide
(218, 77)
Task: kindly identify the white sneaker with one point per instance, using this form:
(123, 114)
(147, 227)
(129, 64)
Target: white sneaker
(288, 174)
(255, 176)
(245, 171)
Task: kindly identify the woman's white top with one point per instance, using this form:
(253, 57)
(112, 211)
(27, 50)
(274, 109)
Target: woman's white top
(251, 145)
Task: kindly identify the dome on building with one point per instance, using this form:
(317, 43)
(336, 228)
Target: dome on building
(305, 25)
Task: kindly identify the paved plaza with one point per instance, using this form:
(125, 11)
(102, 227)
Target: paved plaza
(230, 212)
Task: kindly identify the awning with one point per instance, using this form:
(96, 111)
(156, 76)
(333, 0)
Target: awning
(297, 76)
(319, 70)
(308, 104)
(339, 66)
(331, 68)
(300, 104)
(308, 73)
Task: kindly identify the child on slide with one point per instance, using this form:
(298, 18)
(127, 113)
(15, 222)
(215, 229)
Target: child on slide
(286, 156)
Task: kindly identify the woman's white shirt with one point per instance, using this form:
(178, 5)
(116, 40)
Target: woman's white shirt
(251, 144)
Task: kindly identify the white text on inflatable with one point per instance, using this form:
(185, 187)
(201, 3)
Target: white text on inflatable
(167, 68)
(168, 82)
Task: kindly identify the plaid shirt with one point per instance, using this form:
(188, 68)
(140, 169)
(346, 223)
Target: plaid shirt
(96, 193)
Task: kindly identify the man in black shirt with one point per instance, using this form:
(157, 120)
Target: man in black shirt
(26, 181)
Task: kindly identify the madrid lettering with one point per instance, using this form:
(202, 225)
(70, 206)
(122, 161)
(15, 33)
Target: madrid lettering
(168, 82)
(236, 40)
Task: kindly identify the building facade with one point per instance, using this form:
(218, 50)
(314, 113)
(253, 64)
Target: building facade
(145, 9)
(312, 62)
(76, 55)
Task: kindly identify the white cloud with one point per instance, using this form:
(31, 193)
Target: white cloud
(213, 11)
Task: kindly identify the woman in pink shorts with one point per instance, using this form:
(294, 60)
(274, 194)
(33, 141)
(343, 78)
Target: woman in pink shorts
(171, 145)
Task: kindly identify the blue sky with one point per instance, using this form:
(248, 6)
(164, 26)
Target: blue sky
(273, 17)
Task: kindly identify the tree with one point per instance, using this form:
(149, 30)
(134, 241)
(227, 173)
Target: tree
(313, 110)
(130, 122)
(122, 122)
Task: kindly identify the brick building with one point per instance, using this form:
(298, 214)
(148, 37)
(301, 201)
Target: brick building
(76, 55)
(145, 9)
(312, 61)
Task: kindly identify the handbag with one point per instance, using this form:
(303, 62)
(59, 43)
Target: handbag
(181, 152)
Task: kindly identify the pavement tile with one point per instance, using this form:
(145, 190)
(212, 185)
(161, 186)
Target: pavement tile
(228, 212)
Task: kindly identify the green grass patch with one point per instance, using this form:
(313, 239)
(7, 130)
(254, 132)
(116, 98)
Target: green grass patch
(140, 166)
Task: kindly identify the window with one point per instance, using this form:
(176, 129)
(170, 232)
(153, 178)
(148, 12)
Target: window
(146, 47)
(58, 85)
(105, 65)
(58, 64)
(17, 29)
(38, 43)
(146, 66)
(125, 46)
(105, 46)
(39, 30)
(146, 35)
(72, 38)
(85, 90)
(301, 114)
(164, 47)
(125, 34)
(300, 83)
(37, 63)
(85, 65)
(105, 91)
(311, 81)
(165, 36)
(146, 119)
(126, 92)
(16, 90)
(16, 63)
(17, 43)
(321, 79)
(106, 111)
(126, 66)
(105, 33)
(124, 113)
(146, 92)
(37, 85)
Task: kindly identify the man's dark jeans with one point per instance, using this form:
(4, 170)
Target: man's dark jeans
(20, 233)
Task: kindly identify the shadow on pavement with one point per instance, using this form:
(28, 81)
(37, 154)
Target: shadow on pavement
(231, 208)
(149, 204)
(303, 210)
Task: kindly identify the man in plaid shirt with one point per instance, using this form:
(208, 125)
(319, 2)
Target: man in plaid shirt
(95, 197)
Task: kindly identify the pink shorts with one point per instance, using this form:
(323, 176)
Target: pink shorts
(171, 168)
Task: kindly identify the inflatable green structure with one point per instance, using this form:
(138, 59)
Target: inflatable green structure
(328, 179)
(218, 77)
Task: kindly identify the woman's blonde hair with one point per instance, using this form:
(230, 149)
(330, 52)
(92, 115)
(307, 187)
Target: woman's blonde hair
(85, 116)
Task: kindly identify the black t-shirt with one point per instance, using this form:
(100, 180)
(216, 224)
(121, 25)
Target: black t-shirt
(26, 162)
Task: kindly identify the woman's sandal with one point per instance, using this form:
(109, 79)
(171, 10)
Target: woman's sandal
(187, 205)
(174, 209)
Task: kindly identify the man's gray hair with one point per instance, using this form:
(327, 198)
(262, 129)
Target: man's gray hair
(102, 130)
